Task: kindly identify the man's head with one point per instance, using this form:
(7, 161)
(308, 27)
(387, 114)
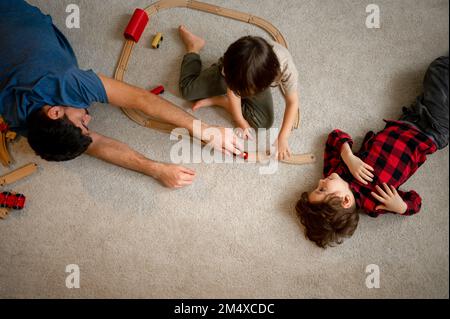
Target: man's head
(250, 66)
(328, 212)
(59, 133)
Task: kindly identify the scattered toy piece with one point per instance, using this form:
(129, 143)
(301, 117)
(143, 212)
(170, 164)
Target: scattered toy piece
(17, 174)
(158, 90)
(11, 136)
(136, 26)
(12, 200)
(3, 213)
(157, 39)
(5, 158)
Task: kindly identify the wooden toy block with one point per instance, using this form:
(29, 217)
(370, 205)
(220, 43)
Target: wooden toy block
(5, 158)
(157, 39)
(11, 136)
(12, 200)
(3, 213)
(18, 174)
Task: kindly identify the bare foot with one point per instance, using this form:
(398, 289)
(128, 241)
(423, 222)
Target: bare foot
(192, 42)
(202, 103)
(220, 100)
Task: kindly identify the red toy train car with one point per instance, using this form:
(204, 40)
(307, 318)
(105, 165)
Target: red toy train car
(11, 200)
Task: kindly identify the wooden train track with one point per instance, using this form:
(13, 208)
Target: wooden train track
(5, 136)
(252, 157)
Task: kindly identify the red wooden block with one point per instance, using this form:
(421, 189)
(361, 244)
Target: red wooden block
(158, 90)
(136, 26)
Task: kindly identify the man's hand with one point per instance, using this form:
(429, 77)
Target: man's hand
(390, 199)
(174, 176)
(225, 141)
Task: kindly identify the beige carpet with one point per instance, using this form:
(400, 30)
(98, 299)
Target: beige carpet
(233, 233)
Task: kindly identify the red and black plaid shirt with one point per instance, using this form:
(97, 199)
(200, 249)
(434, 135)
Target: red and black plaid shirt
(395, 153)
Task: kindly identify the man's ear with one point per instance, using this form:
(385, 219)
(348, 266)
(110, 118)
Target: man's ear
(55, 112)
(347, 201)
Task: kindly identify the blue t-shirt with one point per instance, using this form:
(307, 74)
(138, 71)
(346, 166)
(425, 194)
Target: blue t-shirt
(38, 66)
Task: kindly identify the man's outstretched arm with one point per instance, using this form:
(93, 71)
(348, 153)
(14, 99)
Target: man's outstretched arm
(120, 154)
(129, 96)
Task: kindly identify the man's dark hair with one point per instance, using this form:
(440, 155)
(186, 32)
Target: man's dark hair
(55, 140)
(250, 66)
(327, 223)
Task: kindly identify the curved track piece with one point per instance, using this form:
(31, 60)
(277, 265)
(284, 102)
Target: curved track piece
(5, 158)
(127, 49)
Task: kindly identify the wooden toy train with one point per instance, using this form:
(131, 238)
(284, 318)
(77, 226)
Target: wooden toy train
(12, 200)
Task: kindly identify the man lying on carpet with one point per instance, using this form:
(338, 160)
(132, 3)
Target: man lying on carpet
(43, 94)
(369, 180)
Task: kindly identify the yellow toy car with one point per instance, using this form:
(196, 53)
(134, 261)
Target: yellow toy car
(157, 40)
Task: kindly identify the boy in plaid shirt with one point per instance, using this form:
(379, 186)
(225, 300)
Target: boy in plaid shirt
(370, 178)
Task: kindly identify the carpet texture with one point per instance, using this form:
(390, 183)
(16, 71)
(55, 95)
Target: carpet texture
(233, 233)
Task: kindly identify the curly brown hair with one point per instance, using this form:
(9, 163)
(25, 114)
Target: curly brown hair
(327, 223)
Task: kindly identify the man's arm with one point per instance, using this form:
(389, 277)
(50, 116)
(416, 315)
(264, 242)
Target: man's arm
(120, 154)
(129, 96)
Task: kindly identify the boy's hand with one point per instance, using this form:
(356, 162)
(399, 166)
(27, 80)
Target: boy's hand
(245, 131)
(282, 148)
(360, 170)
(390, 199)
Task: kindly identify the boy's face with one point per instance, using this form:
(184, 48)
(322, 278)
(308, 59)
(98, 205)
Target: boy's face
(332, 185)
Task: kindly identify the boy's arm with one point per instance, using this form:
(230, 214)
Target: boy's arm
(290, 113)
(128, 96)
(332, 156)
(236, 110)
(413, 202)
(339, 147)
(236, 114)
(120, 154)
(398, 202)
(360, 170)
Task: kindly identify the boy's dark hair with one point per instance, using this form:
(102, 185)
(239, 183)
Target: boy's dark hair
(327, 223)
(250, 66)
(55, 140)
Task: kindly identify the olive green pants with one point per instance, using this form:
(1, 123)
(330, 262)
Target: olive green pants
(196, 84)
